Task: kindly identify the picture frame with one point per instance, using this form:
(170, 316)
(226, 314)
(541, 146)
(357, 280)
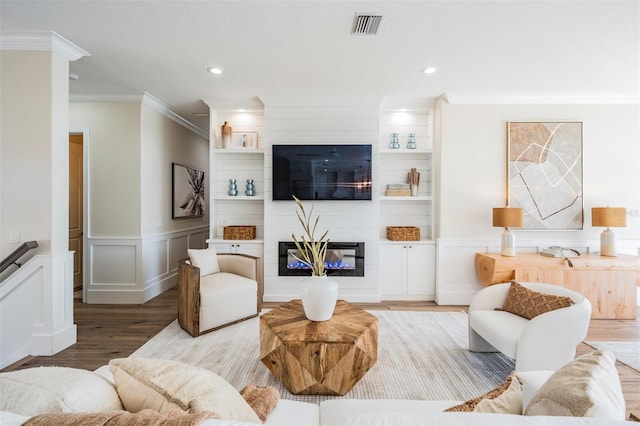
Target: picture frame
(545, 173)
(244, 140)
(188, 192)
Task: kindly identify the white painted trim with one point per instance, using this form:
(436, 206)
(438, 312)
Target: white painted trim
(141, 98)
(247, 104)
(462, 99)
(41, 40)
(321, 101)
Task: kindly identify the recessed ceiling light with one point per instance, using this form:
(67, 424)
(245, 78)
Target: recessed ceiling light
(214, 70)
(429, 70)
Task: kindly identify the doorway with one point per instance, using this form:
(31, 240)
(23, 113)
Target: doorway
(76, 203)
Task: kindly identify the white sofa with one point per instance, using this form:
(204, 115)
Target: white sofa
(546, 342)
(602, 385)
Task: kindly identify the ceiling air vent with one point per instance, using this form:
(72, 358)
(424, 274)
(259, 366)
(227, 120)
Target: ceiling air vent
(366, 24)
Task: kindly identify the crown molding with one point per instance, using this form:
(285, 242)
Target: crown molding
(358, 101)
(249, 104)
(542, 99)
(42, 41)
(140, 98)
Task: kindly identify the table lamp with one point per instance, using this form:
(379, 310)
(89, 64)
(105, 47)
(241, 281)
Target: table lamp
(609, 217)
(508, 217)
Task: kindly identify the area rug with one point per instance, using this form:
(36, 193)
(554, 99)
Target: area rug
(421, 355)
(627, 353)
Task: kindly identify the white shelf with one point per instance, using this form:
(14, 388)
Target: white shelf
(239, 198)
(408, 198)
(420, 241)
(401, 151)
(239, 151)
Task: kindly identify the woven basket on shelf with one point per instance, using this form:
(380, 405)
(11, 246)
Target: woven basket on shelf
(403, 233)
(238, 232)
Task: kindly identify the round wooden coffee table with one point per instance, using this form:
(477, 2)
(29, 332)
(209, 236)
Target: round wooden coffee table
(318, 358)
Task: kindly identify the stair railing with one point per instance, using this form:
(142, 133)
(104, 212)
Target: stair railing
(12, 259)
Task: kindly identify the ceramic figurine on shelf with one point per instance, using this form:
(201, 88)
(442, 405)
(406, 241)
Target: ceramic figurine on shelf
(226, 132)
(233, 187)
(411, 142)
(395, 141)
(250, 189)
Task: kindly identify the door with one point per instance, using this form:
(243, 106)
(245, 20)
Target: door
(75, 206)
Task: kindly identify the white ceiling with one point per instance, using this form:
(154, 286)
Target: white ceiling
(483, 50)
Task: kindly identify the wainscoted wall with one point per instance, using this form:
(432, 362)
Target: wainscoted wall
(457, 280)
(36, 309)
(134, 270)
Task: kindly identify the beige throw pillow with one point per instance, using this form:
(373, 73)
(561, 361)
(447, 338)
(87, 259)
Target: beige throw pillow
(56, 390)
(164, 385)
(529, 304)
(505, 399)
(205, 259)
(588, 386)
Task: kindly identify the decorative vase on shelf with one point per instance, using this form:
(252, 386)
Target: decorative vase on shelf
(411, 141)
(233, 188)
(226, 132)
(319, 295)
(250, 189)
(414, 181)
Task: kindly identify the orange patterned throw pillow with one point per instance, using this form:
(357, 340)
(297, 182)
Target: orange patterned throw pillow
(263, 399)
(529, 304)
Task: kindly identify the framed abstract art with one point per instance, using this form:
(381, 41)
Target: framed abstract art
(545, 174)
(188, 192)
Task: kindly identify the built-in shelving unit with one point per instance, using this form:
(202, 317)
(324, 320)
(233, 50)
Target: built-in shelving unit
(395, 165)
(408, 269)
(237, 163)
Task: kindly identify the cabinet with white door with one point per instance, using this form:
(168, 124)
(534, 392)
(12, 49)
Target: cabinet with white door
(407, 270)
(252, 247)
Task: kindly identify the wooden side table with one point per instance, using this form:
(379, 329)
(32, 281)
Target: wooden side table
(609, 283)
(318, 358)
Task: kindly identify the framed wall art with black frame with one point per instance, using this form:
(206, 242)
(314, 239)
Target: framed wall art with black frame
(188, 197)
(544, 161)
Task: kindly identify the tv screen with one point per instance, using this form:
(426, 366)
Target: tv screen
(322, 172)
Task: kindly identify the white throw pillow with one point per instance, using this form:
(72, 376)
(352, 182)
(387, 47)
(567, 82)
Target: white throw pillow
(588, 386)
(42, 390)
(164, 385)
(205, 259)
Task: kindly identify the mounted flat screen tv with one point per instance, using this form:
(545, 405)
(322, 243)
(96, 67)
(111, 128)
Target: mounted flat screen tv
(322, 172)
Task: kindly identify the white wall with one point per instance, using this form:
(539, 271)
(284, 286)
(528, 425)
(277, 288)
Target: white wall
(36, 301)
(112, 143)
(473, 178)
(26, 140)
(318, 121)
(163, 143)
(132, 243)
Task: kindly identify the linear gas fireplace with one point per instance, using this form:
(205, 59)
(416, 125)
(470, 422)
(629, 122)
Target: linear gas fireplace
(345, 259)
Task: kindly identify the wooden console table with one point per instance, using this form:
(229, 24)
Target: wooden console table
(609, 283)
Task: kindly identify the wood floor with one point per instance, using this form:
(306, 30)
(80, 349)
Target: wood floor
(115, 331)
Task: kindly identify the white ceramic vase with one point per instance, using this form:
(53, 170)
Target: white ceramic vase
(319, 295)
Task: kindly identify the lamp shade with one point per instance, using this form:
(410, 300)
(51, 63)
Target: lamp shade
(507, 217)
(609, 216)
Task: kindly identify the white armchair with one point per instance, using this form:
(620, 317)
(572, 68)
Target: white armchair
(222, 290)
(545, 342)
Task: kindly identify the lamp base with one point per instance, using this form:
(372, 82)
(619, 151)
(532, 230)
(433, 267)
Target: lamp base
(608, 243)
(508, 243)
